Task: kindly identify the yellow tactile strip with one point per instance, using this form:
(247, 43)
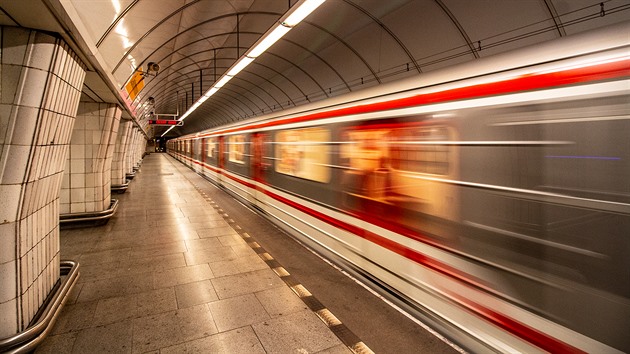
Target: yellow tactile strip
(336, 326)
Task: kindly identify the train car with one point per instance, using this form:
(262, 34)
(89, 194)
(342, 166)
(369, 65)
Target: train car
(490, 199)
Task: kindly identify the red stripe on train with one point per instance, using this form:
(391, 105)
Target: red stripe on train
(508, 324)
(529, 82)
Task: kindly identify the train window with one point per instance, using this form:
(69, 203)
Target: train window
(412, 150)
(304, 153)
(211, 146)
(236, 148)
(368, 150)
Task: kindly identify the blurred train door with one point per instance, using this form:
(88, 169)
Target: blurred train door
(258, 168)
(221, 160)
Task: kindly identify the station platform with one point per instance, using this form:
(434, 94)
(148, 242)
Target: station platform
(183, 267)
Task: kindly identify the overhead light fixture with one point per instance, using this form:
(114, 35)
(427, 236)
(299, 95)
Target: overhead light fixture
(297, 13)
(222, 81)
(210, 92)
(268, 41)
(301, 12)
(240, 66)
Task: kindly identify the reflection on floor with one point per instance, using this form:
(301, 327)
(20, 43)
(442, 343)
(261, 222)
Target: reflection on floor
(169, 274)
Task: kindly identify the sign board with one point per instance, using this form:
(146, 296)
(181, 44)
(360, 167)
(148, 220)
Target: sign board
(135, 85)
(178, 123)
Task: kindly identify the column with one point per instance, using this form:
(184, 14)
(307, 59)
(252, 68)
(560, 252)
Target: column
(141, 148)
(118, 163)
(86, 186)
(129, 151)
(40, 85)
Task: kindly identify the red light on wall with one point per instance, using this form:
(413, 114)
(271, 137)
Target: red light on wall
(166, 122)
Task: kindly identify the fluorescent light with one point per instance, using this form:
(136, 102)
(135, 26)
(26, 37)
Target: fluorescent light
(210, 92)
(240, 66)
(301, 12)
(272, 38)
(303, 9)
(222, 81)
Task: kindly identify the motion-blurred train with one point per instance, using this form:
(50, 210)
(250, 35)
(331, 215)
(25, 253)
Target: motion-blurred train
(491, 199)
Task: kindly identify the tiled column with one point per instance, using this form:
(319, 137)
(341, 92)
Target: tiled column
(130, 151)
(118, 163)
(134, 150)
(141, 148)
(86, 185)
(40, 85)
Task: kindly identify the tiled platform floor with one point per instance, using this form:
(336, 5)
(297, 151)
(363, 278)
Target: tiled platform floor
(167, 274)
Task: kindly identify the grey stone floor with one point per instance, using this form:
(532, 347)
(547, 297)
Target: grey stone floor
(167, 274)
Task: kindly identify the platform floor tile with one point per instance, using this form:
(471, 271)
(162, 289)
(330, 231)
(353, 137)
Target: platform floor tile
(169, 274)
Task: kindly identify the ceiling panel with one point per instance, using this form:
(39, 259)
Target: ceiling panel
(345, 45)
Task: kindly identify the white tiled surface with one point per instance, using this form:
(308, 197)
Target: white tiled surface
(38, 108)
(137, 147)
(87, 180)
(121, 150)
(130, 158)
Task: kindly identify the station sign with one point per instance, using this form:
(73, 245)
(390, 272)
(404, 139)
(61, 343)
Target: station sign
(178, 123)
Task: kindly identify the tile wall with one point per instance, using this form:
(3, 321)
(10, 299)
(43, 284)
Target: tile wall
(86, 183)
(40, 85)
(118, 162)
(141, 147)
(131, 163)
(135, 152)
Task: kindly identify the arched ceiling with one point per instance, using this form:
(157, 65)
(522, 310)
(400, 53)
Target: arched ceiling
(345, 45)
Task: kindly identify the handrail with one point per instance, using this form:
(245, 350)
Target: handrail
(90, 216)
(123, 185)
(27, 340)
(119, 188)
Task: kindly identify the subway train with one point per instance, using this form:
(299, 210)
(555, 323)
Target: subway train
(490, 199)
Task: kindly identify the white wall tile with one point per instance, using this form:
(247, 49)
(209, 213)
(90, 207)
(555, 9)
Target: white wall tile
(77, 166)
(10, 82)
(15, 41)
(33, 89)
(25, 125)
(77, 207)
(77, 195)
(5, 133)
(77, 151)
(17, 161)
(7, 241)
(92, 123)
(8, 318)
(42, 51)
(77, 181)
(78, 137)
(10, 196)
(9, 284)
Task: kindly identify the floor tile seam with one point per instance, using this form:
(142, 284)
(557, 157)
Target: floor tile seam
(133, 324)
(150, 273)
(213, 335)
(347, 337)
(130, 319)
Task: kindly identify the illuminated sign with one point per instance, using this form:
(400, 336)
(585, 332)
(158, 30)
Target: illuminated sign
(178, 123)
(135, 84)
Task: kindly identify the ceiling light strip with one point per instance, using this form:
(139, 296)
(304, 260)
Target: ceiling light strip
(296, 14)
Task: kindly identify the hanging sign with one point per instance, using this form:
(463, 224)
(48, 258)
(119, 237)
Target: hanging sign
(178, 123)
